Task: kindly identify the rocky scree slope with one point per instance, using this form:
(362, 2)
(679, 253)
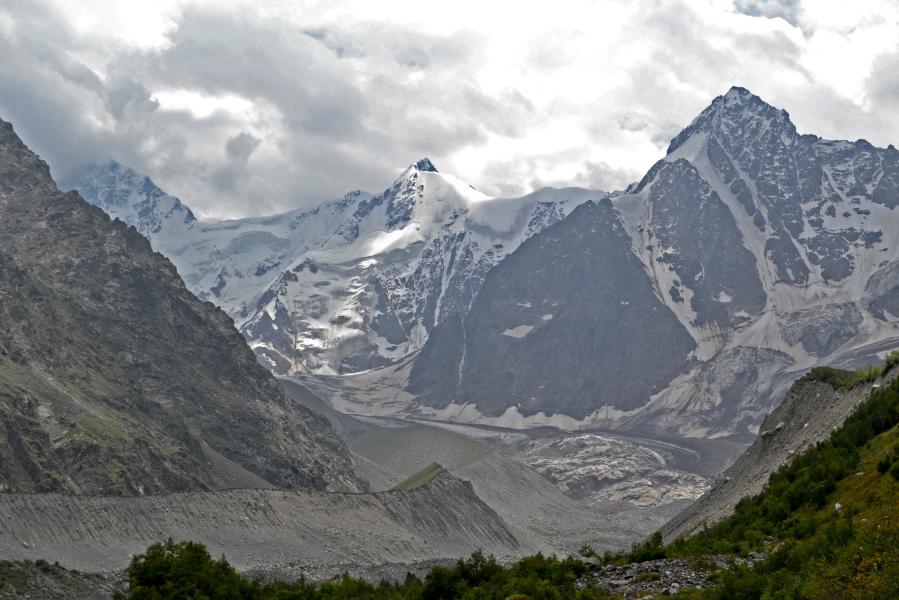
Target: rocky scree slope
(39, 579)
(747, 255)
(281, 533)
(348, 285)
(114, 378)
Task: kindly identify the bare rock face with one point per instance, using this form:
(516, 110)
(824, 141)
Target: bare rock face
(114, 378)
(568, 319)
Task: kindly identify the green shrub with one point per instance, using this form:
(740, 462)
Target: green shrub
(894, 471)
(651, 549)
(173, 571)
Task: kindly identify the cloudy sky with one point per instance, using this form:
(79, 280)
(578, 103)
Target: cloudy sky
(256, 107)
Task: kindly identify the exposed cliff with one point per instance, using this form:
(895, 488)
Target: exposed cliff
(114, 378)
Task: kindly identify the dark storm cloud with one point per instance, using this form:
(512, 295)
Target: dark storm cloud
(238, 150)
(241, 114)
(332, 108)
(241, 146)
(126, 97)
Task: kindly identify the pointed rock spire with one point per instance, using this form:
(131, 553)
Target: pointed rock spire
(425, 164)
(737, 114)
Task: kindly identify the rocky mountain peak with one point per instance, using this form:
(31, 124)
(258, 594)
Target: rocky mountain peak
(19, 167)
(406, 192)
(140, 387)
(738, 117)
(425, 164)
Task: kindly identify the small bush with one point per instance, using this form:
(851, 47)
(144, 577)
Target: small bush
(891, 361)
(894, 471)
(43, 565)
(651, 549)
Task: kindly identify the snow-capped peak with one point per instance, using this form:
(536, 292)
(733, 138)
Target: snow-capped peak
(134, 198)
(351, 284)
(737, 94)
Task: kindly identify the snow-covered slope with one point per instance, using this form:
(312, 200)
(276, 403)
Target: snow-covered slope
(134, 199)
(349, 285)
(764, 252)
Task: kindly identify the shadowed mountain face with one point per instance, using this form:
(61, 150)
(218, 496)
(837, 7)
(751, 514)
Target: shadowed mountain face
(745, 256)
(568, 320)
(114, 378)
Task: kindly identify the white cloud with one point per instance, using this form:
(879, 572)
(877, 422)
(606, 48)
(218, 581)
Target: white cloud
(328, 96)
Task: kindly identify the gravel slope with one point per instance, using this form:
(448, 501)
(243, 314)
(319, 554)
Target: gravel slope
(289, 533)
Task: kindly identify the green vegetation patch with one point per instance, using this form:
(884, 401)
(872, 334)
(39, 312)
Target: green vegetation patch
(844, 380)
(419, 479)
(173, 571)
(829, 521)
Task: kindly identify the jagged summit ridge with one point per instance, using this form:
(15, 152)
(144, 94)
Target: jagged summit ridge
(738, 113)
(134, 199)
(425, 164)
(19, 167)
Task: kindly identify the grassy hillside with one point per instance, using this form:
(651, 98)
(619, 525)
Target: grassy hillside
(829, 521)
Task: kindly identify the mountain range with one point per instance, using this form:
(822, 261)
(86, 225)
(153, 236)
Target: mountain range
(135, 337)
(683, 305)
(687, 303)
(349, 285)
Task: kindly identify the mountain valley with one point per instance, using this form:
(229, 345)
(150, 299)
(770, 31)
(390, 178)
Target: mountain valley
(431, 304)
(399, 380)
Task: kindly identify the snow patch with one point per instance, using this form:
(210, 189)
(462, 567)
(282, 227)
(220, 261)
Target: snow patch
(518, 332)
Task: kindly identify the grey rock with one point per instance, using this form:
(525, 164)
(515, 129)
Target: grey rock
(564, 324)
(114, 378)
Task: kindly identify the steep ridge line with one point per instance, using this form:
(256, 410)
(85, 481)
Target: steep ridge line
(758, 252)
(115, 378)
